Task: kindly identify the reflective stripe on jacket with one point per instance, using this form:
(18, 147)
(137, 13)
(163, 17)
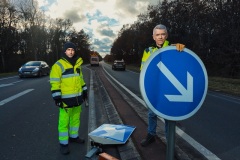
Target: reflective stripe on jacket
(147, 52)
(67, 82)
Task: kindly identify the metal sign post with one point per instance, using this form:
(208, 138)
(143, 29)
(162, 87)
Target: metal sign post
(171, 140)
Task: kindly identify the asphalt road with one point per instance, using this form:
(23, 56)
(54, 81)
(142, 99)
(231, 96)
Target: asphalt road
(29, 119)
(213, 131)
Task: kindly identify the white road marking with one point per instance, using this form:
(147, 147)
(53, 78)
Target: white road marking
(8, 78)
(15, 96)
(226, 97)
(9, 84)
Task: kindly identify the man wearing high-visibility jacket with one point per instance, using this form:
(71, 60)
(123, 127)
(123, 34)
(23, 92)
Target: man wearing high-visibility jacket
(68, 91)
(160, 35)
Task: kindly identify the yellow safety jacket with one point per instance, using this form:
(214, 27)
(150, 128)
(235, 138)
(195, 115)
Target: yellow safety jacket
(148, 51)
(67, 82)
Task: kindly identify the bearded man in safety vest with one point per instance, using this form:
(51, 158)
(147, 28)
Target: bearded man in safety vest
(160, 36)
(68, 91)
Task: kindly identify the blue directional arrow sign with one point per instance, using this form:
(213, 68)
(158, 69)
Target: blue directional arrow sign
(174, 84)
(111, 134)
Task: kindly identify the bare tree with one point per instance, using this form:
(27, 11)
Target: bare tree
(8, 31)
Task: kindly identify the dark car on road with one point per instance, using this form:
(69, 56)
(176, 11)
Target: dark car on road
(34, 69)
(119, 64)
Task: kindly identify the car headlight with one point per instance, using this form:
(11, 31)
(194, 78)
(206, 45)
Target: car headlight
(20, 69)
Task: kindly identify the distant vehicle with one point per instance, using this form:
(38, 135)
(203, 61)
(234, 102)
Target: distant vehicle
(119, 64)
(34, 69)
(94, 61)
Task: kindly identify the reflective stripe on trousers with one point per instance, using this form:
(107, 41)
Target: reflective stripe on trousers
(68, 124)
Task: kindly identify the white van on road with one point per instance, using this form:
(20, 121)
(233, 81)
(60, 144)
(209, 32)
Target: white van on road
(94, 61)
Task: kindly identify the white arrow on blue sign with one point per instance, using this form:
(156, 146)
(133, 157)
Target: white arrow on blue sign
(174, 84)
(111, 134)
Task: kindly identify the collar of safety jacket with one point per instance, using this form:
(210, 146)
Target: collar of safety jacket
(165, 44)
(73, 62)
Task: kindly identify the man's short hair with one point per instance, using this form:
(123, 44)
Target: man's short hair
(160, 26)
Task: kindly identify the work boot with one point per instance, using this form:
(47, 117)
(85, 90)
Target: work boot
(64, 149)
(76, 140)
(148, 140)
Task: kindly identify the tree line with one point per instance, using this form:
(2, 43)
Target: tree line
(26, 33)
(210, 28)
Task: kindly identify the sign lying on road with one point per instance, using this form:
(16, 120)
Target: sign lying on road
(111, 134)
(173, 84)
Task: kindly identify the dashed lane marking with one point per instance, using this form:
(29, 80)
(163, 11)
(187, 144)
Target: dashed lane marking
(15, 96)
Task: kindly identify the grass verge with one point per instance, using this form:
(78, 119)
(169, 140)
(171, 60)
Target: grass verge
(226, 85)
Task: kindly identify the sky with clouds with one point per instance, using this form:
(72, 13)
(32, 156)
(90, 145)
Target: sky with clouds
(100, 19)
